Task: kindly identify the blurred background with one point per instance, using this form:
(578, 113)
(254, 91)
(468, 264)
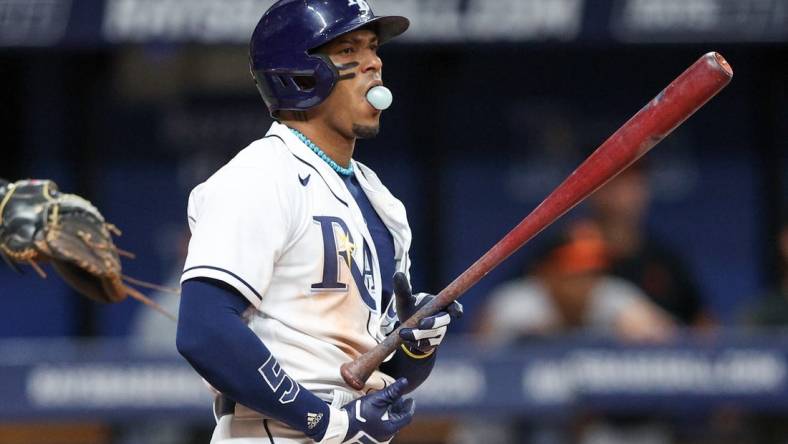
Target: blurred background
(653, 313)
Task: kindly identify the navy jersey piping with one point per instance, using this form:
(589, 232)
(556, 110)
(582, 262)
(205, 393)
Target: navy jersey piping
(228, 272)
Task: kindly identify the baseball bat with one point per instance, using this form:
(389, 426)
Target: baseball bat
(677, 102)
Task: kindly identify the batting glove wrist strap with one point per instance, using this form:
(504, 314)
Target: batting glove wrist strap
(416, 354)
(337, 427)
(372, 419)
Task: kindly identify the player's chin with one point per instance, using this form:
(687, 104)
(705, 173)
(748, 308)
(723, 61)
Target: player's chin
(366, 131)
(367, 121)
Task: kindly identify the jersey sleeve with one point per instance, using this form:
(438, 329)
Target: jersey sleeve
(240, 221)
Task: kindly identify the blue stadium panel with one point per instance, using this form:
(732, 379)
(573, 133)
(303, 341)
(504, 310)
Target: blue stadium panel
(35, 307)
(716, 229)
(147, 204)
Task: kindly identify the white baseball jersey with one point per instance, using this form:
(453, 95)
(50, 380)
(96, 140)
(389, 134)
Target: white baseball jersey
(280, 226)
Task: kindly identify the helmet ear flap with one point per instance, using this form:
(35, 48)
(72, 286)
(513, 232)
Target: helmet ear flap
(304, 83)
(325, 77)
(251, 71)
(303, 87)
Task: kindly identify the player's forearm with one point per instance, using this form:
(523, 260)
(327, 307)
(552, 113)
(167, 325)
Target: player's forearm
(414, 369)
(215, 340)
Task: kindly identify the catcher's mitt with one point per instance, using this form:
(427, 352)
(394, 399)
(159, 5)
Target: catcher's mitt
(38, 224)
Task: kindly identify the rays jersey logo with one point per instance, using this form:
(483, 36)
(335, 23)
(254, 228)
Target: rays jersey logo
(339, 247)
(363, 6)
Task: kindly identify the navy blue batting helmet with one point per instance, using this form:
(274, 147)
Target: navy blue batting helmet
(289, 75)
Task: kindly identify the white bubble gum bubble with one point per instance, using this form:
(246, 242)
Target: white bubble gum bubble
(380, 97)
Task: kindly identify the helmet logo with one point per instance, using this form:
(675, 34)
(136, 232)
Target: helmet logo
(363, 6)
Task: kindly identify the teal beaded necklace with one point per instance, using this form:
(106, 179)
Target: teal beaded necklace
(334, 166)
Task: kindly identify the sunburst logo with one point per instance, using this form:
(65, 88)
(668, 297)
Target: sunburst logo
(345, 245)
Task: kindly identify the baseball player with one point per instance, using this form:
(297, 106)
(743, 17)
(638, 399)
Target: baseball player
(298, 260)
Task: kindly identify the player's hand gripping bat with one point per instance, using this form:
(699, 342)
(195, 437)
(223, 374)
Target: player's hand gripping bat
(677, 102)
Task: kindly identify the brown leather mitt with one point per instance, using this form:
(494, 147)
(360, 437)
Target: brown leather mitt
(40, 224)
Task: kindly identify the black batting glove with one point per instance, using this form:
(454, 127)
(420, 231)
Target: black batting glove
(421, 341)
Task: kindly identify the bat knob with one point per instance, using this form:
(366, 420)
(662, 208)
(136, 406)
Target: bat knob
(350, 378)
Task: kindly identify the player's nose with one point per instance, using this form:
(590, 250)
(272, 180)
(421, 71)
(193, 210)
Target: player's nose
(373, 63)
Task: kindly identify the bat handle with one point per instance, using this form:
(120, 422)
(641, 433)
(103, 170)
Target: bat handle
(356, 372)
